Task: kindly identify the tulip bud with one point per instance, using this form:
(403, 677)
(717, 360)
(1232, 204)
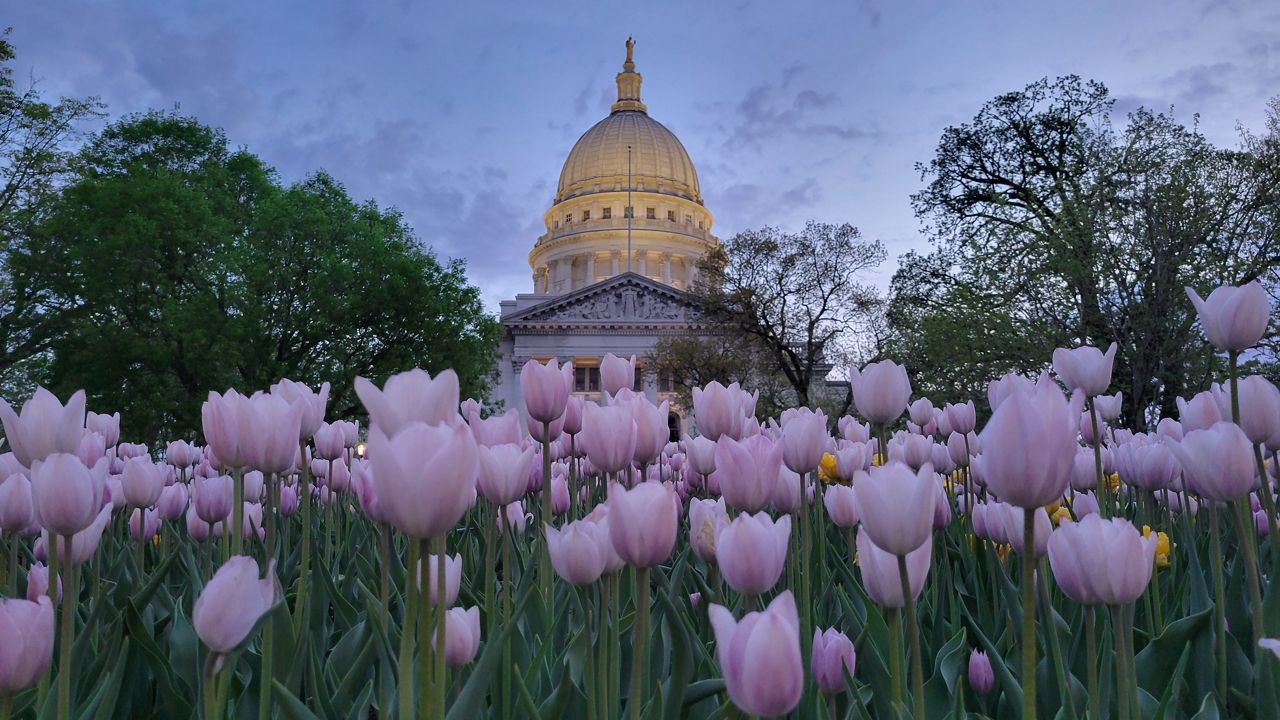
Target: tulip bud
(880, 391)
(760, 657)
(452, 578)
(832, 655)
(461, 636)
(1233, 318)
(26, 642)
(751, 551)
(981, 677)
(642, 523)
(230, 605)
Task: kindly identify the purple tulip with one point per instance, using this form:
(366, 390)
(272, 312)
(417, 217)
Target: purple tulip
(26, 642)
(144, 523)
(747, 471)
(1233, 318)
(504, 472)
(225, 421)
(1259, 407)
(1086, 368)
(213, 498)
(832, 655)
(142, 481)
(852, 430)
(38, 583)
(718, 411)
(1108, 406)
(452, 578)
(271, 427)
(1098, 561)
(425, 476)
(461, 636)
(230, 605)
(786, 492)
(642, 523)
(108, 426)
(706, 519)
(701, 454)
(981, 677)
(313, 404)
(93, 447)
(288, 501)
(896, 506)
(578, 551)
(44, 427)
(617, 374)
(1014, 519)
(16, 509)
(559, 493)
(408, 398)
(1200, 412)
(1029, 445)
(330, 441)
(608, 436)
(545, 389)
(880, 391)
(841, 502)
(852, 460)
(497, 429)
(1083, 504)
(760, 657)
(879, 570)
(65, 494)
(751, 551)
(84, 543)
(921, 411)
(963, 417)
(1218, 462)
(651, 427)
(804, 440)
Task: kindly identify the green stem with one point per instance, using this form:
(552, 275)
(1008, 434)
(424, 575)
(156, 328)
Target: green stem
(1245, 527)
(639, 642)
(1055, 651)
(1219, 601)
(407, 635)
(590, 669)
(544, 553)
(304, 570)
(1028, 616)
(442, 668)
(426, 622)
(1091, 649)
(1104, 488)
(210, 687)
(1121, 664)
(237, 512)
(895, 655)
(913, 639)
(602, 648)
(14, 548)
(508, 587)
(69, 597)
(806, 542)
(490, 562)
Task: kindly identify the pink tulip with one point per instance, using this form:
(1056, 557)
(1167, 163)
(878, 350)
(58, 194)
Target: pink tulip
(616, 373)
(461, 636)
(1029, 445)
(981, 677)
(252, 517)
(751, 551)
(213, 498)
(366, 490)
(642, 523)
(38, 583)
(108, 426)
(896, 506)
(921, 411)
(651, 427)
(608, 437)
(1085, 368)
(198, 529)
(66, 495)
(504, 472)
(16, 509)
(706, 519)
(879, 569)
(179, 454)
(804, 440)
(84, 543)
(26, 642)
(832, 656)
(573, 415)
(880, 391)
(498, 429)
(1259, 407)
(143, 481)
(225, 423)
(1108, 405)
(1098, 561)
(288, 502)
(545, 389)
(143, 524)
(760, 657)
(701, 454)
(747, 471)
(579, 551)
(842, 505)
(1233, 318)
(717, 411)
(330, 441)
(853, 431)
(93, 447)
(559, 493)
(312, 404)
(44, 427)
(1200, 412)
(1014, 519)
(1218, 462)
(786, 492)
(452, 578)
(409, 398)
(1083, 504)
(425, 476)
(963, 417)
(271, 428)
(230, 605)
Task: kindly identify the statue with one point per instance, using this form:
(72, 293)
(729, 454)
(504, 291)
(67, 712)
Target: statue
(631, 44)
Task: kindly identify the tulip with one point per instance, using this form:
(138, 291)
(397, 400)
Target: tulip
(642, 523)
(504, 472)
(832, 655)
(880, 391)
(786, 492)
(330, 441)
(230, 605)
(108, 426)
(1270, 644)
(312, 404)
(93, 447)
(559, 493)
(578, 551)
(16, 509)
(804, 439)
(1200, 412)
(608, 437)
(1014, 519)
(1108, 405)
(1086, 368)
(652, 430)
(747, 471)
(963, 417)
(842, 505)
(425, 476)
(225, 422)
(760, 657)
(26, 642)
(84, 543)
(252, 521)
(65, 494)
(879, 569)
(340, 479)
(751, 551)
(44, 427)
(896, 506)
(852, 460)
(545, 389)
(409, 398)
(452, 579)
(1084, 504)
(143, 481)
(981, 677)
(1259, 407)
(38, 583)
(288, 501)
(718, 411)
(701, 454)
(1102, 561)
(143, 524)
(269, 442)
(213, 498)
(853, 431)
(1218, 462)
(1233, 318)
(617, 374)
(461, 636)
(199, 529)
(706, 519)
(180, 454)
(1028, 447)
(499, 429)
(921, 411)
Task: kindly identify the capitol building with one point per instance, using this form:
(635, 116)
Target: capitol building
(611, 273)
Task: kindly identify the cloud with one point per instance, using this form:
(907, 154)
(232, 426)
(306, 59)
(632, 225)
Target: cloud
(772, 111)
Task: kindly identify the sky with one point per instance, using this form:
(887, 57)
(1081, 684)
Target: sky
(461, 114)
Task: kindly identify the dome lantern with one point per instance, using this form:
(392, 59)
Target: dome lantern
(629, 84)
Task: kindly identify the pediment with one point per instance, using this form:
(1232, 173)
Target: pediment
(623, 300)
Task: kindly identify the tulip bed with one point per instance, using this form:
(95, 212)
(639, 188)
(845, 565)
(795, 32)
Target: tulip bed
(1049, 564)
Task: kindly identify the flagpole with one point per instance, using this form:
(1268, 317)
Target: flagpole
(630, 210)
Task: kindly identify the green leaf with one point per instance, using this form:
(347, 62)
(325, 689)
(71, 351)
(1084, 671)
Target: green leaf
(289, 705)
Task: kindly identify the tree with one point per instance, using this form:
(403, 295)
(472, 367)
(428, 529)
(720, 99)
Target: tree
(1051, 228)
(797, 296)
(34, 140)
(180, 266)
(725, 357)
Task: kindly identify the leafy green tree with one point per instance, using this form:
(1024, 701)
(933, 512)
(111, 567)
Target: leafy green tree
(181, 266)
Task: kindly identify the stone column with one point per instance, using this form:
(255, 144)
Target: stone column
(616, 257)
(642, 264)
(690, 272)
(666, 268)
(591, 268)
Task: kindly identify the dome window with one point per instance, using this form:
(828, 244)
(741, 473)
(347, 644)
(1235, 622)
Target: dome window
(568, 218)
(671, 215)
(688, 219)
(586, 215)
(606, 213)
(651, 213)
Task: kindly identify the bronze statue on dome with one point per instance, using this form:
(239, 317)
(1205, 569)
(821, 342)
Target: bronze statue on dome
(631, 44)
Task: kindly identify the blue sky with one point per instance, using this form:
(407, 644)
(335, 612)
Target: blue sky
(460, 114)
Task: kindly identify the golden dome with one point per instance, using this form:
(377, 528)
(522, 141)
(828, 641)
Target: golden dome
(598, 161)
